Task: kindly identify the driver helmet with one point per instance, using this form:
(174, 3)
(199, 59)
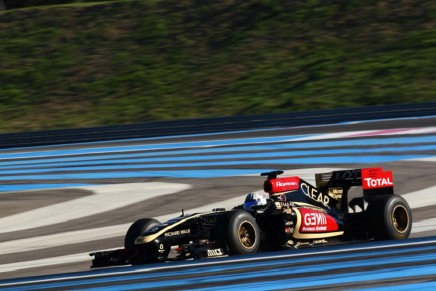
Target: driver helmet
(254, 199)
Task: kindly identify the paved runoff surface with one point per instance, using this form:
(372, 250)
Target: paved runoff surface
(59, 203)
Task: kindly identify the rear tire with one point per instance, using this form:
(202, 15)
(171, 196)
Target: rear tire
(136, 229)
(390, 217)
(243, 233)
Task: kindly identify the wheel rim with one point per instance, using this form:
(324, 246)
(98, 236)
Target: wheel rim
(400, 218)
(247, 235)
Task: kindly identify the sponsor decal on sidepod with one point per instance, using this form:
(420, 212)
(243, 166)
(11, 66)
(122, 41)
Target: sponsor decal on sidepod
(315, 221)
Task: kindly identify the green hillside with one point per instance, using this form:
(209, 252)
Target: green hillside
(118, 62)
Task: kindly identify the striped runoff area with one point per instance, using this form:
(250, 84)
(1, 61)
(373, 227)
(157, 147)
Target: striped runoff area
(55, 167)
(83, 197)
(398, 265)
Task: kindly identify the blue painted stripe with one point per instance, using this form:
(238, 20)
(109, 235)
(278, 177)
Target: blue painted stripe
(141, 174)
(160, 146)
(284, 161)
(283, 142)
(323, 263)
(169, 158)
(25, 187)
(145, 139)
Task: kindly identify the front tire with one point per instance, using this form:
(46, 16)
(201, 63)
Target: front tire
(390, 217)
(243, 234)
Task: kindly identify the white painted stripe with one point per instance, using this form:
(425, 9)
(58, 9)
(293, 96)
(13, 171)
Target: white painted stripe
(64, 238)
(363, 133)
(331, 135)
(106, 198)
(11, 267)
(421, 198)
(428, 159)
(424, 130)
(424, 225)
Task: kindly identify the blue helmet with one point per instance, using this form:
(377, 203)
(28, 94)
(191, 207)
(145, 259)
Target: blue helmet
(254, 199)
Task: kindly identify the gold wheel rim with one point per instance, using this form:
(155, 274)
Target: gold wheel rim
(247, 235)
(400, 218)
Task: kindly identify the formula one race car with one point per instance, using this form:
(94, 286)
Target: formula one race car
(293, 214)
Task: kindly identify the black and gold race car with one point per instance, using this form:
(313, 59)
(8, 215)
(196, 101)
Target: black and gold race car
(346, 206)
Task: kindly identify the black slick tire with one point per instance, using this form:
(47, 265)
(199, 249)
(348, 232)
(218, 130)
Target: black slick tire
(243, 233)
(390, 217)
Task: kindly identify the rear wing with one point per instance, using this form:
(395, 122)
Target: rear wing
(372, 180)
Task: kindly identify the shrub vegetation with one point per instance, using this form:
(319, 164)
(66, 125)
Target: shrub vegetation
(118, 62)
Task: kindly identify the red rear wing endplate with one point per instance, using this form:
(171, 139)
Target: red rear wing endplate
(374, 178)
